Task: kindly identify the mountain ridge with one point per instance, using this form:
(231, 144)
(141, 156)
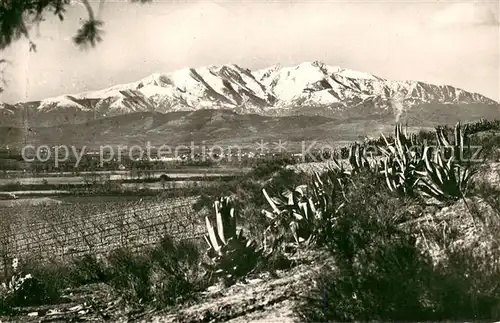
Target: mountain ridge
(331, 91)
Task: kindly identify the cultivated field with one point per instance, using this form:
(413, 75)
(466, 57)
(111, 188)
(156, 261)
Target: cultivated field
(74, 227)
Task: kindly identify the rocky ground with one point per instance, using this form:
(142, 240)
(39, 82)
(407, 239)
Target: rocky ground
(490, 173)
(262, 299)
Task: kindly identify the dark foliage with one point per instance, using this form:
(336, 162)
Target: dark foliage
(44, 287)
(130, 275)
(178, 270)
(381, 275)
(165, 275)
(17, 16)
(89, 34)
(88, 269)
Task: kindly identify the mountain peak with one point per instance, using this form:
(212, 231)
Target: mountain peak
(318, 63)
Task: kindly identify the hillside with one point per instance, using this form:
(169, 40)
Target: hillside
(226, 127)
(174, 128)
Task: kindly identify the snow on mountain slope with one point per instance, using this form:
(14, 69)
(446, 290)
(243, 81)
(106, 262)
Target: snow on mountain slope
(289, 83)
(61, 103)
(355, 74)
(227, 86)
(275, 90)
(316, 83)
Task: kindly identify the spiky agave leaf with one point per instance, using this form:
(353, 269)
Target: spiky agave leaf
(399, 144)
(354, 158)
(226, 219)
(401, 162)
(225, 224)
(212, 237)
(390, 183)
(270, 201)
(441, 138)
(337, 167)
(219, 224)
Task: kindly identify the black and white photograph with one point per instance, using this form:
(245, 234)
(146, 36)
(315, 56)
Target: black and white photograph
(249, 161)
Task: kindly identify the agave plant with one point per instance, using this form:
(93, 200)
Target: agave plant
(233, 255)
(335, 173)
(458, 147)
(225, 216)
(445, 180)
(358, 161)
(337, 167)
(400, 177)
(307, 212)
(292, 213)
(17, 289)
(17, 280)
(401, 162)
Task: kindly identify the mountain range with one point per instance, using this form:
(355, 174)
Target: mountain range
(309, 89)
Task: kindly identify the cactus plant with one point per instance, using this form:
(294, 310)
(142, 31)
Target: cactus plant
(458, 147)
(292, 213)
(225, 225)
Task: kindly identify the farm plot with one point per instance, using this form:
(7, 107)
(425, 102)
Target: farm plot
(64, 231)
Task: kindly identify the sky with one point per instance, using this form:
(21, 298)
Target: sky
(439, 42)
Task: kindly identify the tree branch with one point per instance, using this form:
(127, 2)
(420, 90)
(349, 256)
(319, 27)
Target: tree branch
(90, 32)
(90, 11)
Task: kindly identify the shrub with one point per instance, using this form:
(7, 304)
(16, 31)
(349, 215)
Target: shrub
(467, 287)
(177, 274)
(130, 275)
(490, 194)
(86, 270)
(164, 275)
(380, 273)
(31, 285)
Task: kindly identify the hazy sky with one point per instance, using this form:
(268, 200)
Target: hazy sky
(441, 42)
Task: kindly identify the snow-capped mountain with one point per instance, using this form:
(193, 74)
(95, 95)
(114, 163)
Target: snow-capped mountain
(226, 86)
(275, 90)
